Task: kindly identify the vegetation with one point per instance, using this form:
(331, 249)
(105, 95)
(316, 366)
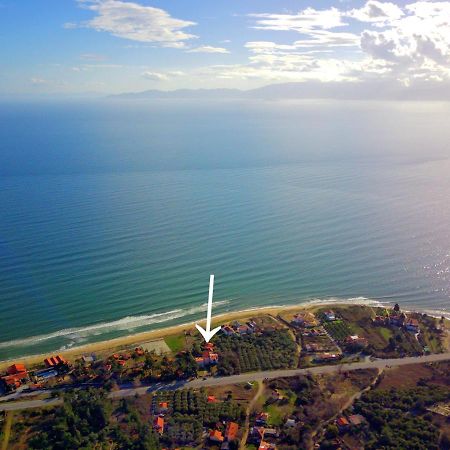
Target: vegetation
(188, 402)
(275, 350)
(176, 343)
(338, 329)
(85, 421)
(397, 417)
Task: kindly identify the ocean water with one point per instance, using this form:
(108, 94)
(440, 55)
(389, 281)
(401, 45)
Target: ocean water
(113, 214)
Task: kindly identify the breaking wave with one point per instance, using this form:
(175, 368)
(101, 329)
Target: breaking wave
(79, 335)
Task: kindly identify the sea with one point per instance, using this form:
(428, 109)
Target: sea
(114, 213)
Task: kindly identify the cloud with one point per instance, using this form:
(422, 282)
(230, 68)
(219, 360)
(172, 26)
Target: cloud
(376, 12)
(208, 49)
(155, 76)
(415, 41)
(304, 21)
(38, 81)
(136, 22)
(404, 43)
(316, 24)
(92, 57)
(162, 76)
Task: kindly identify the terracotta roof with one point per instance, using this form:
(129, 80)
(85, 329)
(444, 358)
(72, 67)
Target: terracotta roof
(216, 435)
(159, 424)
(342, 421)
(231, 431)
(16, 368)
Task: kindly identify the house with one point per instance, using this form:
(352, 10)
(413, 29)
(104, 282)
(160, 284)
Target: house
(46, 374)
(265, 446)
(16, 369)
(290, 423)
(356, 341)
(207, 358)
(163, 407)
(356, 419)
(244, 329)
(379, 320)
(209, 346)
(412, 325)
(211, 399)
(139, 351)
(326, 357)
(213, 358)
(306, 320)
(342, 423)
(158, 424)
(313, 347)
(216, 436)
(276, 395)
(236, 324)
(227, 330)
(329, 316)
(270, 432)
(16, 375)
(88, 359)
(231, 431)
(55, 361)
(397, 320)
(262, 418)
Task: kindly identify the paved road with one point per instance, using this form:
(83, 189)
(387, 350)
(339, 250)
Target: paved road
(242, 378)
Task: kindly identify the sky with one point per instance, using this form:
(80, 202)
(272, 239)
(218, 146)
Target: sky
(112, 46)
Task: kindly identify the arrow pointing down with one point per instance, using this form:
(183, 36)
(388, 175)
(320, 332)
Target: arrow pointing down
(208, 333)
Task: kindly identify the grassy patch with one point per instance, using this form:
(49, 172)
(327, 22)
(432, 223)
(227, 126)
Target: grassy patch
(275, 415)
(386, 333)
(175, 343)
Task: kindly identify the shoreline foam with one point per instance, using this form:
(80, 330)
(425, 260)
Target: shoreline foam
(144, 336)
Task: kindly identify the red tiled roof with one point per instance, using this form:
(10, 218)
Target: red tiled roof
(159, 424)
(231, 431)
(216, 435)
(16, 368)
(342, 421)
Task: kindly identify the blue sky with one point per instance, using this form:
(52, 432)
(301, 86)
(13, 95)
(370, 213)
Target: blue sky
(112, 46)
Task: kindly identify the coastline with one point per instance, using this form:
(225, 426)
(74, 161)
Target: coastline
(111, 345)
(139, 338)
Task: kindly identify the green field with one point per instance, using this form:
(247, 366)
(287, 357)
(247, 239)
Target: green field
(175, 343)
(338, 329)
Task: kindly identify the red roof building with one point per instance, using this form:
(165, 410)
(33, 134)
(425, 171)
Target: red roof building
(342, 423)
(159, 425)
(53, 361)
(231, 430)
(15, 369)
(216, 436)
(211, 399)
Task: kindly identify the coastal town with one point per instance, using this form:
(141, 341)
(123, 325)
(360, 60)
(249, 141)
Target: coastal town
(313, 410)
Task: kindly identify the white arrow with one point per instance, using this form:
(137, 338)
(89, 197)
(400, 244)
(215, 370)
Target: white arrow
(208, 333)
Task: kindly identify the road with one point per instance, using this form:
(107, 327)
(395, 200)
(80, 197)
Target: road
(242, 378)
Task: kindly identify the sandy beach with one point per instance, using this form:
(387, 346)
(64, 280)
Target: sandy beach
(130, 341)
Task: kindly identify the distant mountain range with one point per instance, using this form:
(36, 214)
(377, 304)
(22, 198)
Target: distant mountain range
(373, 90)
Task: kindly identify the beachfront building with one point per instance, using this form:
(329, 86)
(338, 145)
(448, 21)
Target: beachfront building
(16, 375)
(412, 325)
(329, 315)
